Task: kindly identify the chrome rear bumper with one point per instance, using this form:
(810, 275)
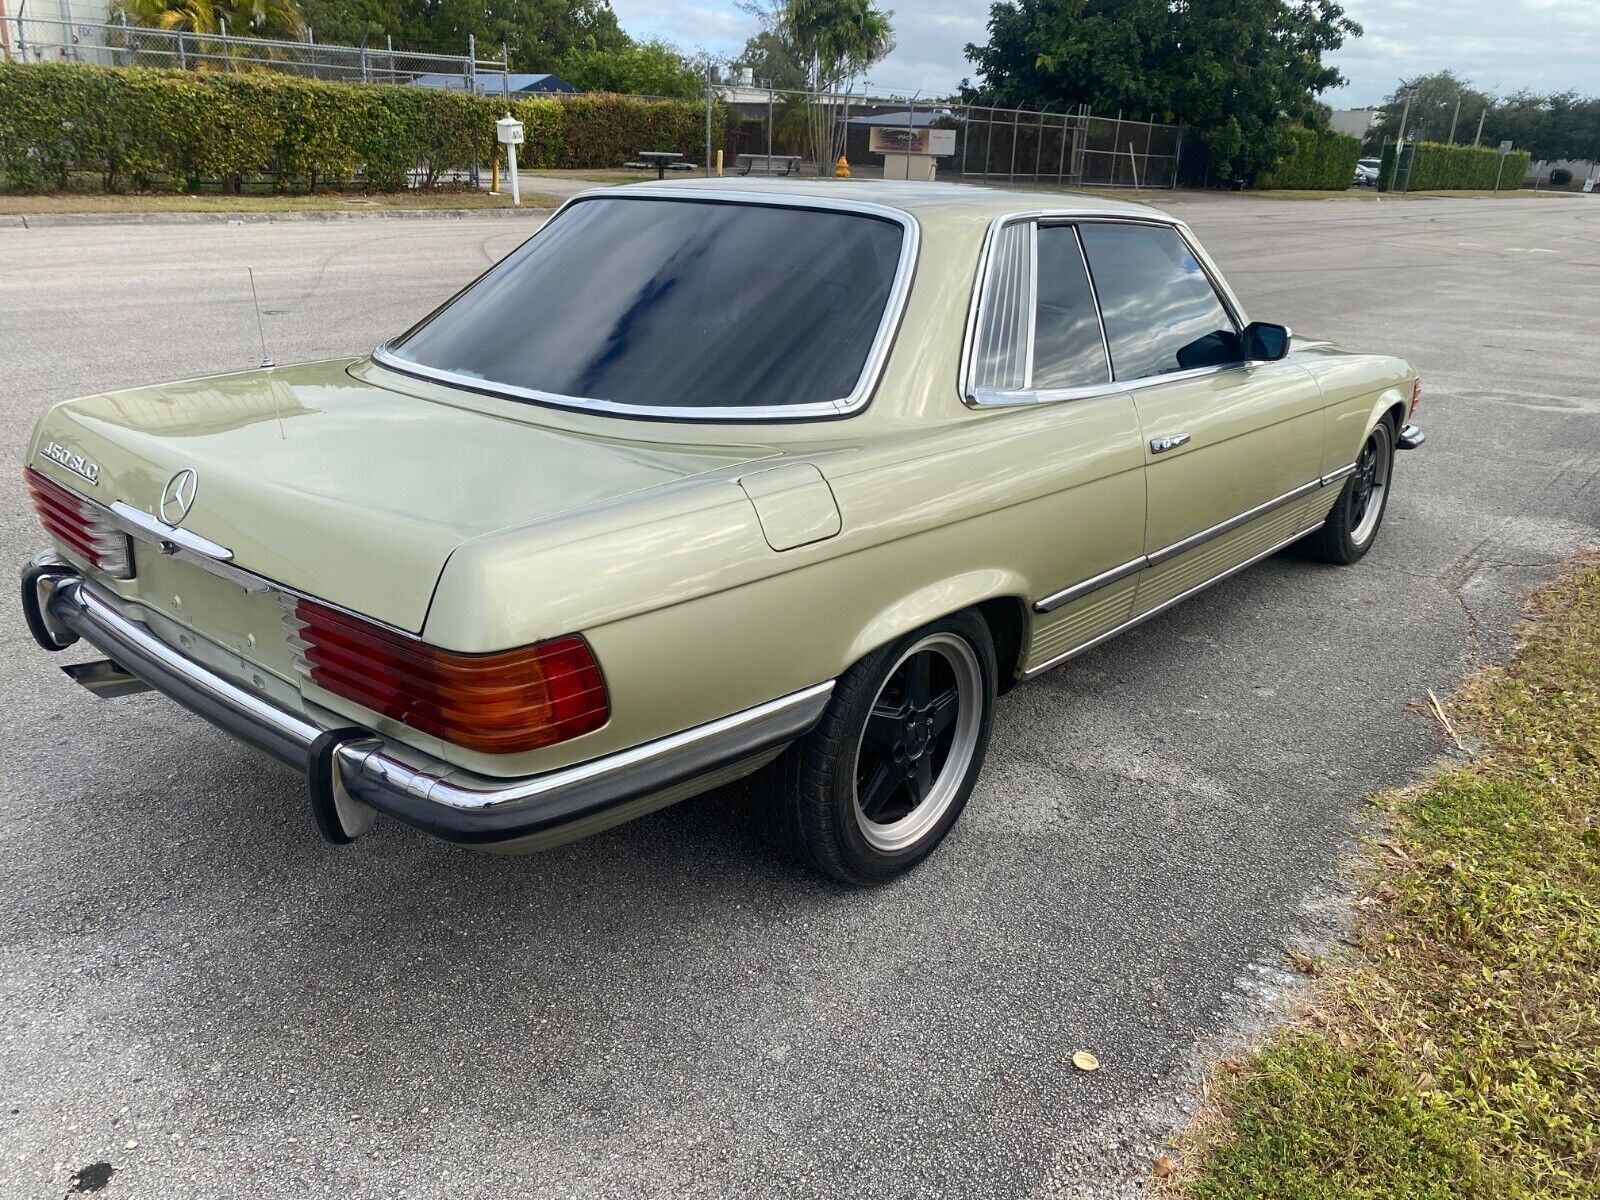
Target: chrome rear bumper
(344, 763)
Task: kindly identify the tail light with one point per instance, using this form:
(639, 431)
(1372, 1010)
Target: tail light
(499, 703)
(80, 524)
(1416, 397)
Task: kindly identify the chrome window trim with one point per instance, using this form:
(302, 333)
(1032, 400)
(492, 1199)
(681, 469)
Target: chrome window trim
(857, 399)
(1094, 583)
(975, 397)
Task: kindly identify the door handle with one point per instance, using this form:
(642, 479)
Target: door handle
(1172, 441)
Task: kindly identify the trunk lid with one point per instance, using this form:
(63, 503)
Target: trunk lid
(344, 489)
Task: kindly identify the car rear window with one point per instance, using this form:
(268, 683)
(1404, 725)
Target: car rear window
(668, 304)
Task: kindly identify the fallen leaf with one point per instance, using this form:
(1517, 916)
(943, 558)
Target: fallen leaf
(1162, 1167)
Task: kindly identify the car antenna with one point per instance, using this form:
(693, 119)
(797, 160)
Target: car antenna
(261, 330)
(266, 359)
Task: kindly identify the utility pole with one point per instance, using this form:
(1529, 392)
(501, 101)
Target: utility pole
(1452, 138)
(1478, 137)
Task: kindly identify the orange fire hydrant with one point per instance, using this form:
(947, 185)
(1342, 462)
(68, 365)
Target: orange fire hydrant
(841, 169)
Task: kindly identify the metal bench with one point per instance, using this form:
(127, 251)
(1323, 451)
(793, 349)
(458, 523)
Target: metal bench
(789, 162)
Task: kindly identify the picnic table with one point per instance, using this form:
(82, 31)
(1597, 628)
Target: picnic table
(660, 160)
(789, 162)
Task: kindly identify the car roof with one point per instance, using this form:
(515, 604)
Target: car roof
(967, 199)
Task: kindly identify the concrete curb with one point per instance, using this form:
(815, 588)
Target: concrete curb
(55, 220)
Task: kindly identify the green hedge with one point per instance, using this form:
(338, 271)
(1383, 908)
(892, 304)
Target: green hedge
(1439, 166)
(1316, 159)
(142, 128)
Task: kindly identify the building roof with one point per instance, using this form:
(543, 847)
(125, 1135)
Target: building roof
(491, 84)
(920, 119)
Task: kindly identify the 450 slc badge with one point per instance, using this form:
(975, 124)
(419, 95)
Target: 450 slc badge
(76, 463)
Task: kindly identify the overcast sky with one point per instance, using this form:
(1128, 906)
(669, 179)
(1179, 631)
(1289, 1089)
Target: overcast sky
(1499, 45)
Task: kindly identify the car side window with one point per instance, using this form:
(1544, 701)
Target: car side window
(1160, 310)
(1068, 349)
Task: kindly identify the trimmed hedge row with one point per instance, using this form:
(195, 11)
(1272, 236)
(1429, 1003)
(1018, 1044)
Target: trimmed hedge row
(1438, 166)
(142, 128)
(1316, 159)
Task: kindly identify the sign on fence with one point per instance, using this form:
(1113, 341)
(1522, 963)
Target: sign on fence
(892, 139)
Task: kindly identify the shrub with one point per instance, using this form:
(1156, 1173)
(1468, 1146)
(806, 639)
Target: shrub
(1560, 177)
(1317, 159)
(142, 127)
(1440, 167)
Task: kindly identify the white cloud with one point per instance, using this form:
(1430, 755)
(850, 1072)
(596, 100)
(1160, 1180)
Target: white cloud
(1499, 45)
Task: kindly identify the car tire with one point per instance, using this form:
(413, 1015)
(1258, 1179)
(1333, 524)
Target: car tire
(1352, 525)
(885, 773)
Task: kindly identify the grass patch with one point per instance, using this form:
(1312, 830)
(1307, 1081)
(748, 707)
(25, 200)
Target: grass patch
(1456, 1053)
(100, 202)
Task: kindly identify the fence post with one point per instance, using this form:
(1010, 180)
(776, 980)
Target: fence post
(708, 122)
(183, 56)
(472, 90)
(388, 41)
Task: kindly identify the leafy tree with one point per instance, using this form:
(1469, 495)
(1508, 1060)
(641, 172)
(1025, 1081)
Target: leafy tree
(1237, 72)
(1433, 104)
(1559, 125)
(770, 58)
(537, 33)
(652, 68)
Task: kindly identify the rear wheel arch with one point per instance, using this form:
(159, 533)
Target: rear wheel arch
(1007, 618)
(996, 595)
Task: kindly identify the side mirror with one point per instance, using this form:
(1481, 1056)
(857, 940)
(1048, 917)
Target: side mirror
(1264, 342)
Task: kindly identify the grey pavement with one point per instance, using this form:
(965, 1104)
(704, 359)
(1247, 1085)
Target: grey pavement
(199, 992)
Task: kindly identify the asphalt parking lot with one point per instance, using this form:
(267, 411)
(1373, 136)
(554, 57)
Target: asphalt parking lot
(201, 993)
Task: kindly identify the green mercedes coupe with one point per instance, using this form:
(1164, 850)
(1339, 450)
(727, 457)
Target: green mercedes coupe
(706, 477)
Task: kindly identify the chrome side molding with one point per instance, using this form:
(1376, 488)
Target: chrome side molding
(1094, 583)
(1172, 441)
(1141, 618)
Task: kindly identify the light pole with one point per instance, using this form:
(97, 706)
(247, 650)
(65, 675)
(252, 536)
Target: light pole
(1400, 142)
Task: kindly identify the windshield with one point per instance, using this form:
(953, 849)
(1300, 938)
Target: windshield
(673, 305)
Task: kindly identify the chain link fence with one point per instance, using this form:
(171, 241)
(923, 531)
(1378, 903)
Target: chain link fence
(769, 129)
(115, 44)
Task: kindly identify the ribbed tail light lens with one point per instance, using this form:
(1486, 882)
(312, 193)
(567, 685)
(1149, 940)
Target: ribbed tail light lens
(499, 703)
(80, 524)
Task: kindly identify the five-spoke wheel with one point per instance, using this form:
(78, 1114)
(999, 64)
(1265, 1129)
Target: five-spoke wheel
(918, 741)
(1352, 525)
(874, 787)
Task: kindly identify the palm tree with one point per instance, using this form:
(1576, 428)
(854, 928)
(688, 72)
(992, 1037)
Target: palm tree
(835, 41)
(260, 18)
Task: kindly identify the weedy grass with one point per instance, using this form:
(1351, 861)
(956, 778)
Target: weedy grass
(1456, 1051)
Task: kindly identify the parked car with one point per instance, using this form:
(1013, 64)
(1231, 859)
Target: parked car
(706, 476)
(1367, 172)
